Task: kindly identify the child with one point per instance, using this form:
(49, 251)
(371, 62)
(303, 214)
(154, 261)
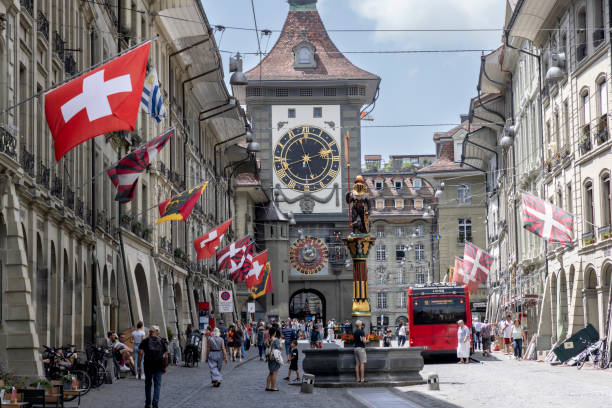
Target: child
(293, 361)
(387, 338)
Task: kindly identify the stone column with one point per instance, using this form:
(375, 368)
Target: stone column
(359, 246)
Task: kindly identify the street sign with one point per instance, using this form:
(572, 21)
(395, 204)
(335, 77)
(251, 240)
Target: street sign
(438, 237)
(226, 301)
(251, 307)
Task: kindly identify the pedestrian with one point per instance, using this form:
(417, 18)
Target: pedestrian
(347, 327)
(477, 325)
(138, 335)
(216, 355)
(401, 335)
(223, 330)
(315, 337)
(155, 355)
(360, 352)
(506, 330)
(518, 335)
(293, 361)
(260, 341)
(485, 337)
(288, 334)
(463, 343)
(123, 353)
(330, 331)
(244, 335)
(387, 338)
(237, 343)
(275, 358)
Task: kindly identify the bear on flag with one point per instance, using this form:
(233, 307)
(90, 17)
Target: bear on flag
(547, 221)
(179, 207)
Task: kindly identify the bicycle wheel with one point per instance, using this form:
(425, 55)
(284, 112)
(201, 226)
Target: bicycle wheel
(100, 377)
(84, 381)
(189, 359)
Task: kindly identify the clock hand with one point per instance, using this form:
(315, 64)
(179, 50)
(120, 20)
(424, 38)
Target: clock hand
(301, 160)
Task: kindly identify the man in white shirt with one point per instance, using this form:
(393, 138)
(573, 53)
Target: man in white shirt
(330, 331)
(477, 325)
(138, 336)
(505, 327)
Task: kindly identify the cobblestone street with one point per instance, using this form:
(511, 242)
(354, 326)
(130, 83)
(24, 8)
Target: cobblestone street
(476, 385)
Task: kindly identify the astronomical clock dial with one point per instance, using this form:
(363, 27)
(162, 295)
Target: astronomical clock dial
(308, 256)
(306, 159)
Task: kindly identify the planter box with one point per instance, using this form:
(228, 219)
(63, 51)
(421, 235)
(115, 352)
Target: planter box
(384, 365)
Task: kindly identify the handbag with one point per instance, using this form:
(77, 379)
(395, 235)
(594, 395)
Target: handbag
(278, 356)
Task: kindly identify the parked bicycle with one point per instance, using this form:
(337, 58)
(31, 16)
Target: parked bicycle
(62, 361)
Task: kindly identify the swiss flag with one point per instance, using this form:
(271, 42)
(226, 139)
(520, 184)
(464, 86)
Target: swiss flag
(255, 275)
(208, 243)
(458, 271)
(101, 101)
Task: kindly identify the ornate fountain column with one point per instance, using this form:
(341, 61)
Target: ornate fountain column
(359, 246)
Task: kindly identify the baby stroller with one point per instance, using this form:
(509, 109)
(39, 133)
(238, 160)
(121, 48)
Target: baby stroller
(193, 349)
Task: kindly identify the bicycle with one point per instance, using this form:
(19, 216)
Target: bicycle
(61, 361)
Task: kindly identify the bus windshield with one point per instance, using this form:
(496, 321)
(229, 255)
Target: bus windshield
(438, 310)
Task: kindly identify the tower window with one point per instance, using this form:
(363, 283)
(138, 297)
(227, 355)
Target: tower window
(291, 113)
(304, 56)
(317, 112)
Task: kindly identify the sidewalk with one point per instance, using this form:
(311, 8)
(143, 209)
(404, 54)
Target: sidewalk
(522, 384)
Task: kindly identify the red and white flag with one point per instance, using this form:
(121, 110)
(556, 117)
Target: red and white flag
(255, 275)
(457, 276)
(237, 258)
(208, 243)
(547, 221)
(100, 101)
(476, 266)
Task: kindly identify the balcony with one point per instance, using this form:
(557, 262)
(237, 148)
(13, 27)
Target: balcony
(585, 144)
(69, 198)
(70, 65)
(165, 244)
(58, 45)
(8, 144)
(27, 162)
(43, 175)
(43, 25)
(79, 208)
(581, 52)
(28, 5)
(602, 135)
(588, 238)
(598, 37)
(604, 232)
(56, 188)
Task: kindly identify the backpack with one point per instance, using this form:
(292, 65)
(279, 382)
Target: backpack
(154, 354)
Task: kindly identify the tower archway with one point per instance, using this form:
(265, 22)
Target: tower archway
(308, 304)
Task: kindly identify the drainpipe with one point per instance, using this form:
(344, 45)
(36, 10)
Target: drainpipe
(94, 276)
(215, 170)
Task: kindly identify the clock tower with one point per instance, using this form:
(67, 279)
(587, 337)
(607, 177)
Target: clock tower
(304, 99)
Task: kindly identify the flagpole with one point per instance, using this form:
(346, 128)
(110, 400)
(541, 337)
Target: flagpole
(91, 68)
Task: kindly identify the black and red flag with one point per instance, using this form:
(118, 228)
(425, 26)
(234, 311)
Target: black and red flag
(237, 258)
(179, 207)
(124, 174)
(266, 285)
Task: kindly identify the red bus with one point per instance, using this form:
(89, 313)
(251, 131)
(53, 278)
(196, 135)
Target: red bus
(433, 312)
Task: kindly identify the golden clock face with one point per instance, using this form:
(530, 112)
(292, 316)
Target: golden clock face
(306, 159)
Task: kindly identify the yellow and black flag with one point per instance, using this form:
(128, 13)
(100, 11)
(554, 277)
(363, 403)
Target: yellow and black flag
(264, 285)
(179, 207)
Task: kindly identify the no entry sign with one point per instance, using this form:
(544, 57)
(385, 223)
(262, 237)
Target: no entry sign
(226, 301)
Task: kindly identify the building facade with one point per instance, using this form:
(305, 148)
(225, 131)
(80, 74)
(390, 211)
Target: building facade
(73, 265)
(404, 226)
(304, 101)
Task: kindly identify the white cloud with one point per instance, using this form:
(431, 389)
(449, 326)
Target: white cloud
(431, 14)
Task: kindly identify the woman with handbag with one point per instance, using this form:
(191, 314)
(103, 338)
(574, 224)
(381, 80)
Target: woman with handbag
(275, 358)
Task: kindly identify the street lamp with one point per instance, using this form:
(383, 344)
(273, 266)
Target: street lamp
(253, 146)
(291, 218)
(509, 131)
(238, 78)
(440, 190)
(557, 63)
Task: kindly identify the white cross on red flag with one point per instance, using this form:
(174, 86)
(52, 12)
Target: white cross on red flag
(208, 243)
(255, 275)
(547, 221)
(104, 100)
(476, 266)
(238, 258)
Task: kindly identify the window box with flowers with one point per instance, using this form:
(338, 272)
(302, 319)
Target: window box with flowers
(606, 235)
(602, 130)
(547, 165)
(589, 241)
(373, 340)
(348, 340)
(585, 141)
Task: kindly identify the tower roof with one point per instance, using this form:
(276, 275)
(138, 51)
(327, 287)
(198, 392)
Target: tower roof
(304, 24)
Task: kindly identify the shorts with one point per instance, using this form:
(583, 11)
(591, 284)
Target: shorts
(507, 340)
(360, 355)
(293, 365)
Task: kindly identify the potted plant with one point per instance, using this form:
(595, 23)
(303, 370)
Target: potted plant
(42, 383)
(373, 340)
(547, 164)
(348, 340)
(169, 334)
(126, 219)
(67, 380)
(589, 241)
(606, 235)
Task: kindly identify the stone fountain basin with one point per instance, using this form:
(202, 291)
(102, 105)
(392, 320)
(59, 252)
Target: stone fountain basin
(385, 366)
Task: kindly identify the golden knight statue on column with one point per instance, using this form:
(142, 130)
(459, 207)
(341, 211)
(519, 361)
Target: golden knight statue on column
(359, 201)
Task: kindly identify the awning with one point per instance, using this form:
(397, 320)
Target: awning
(488, 110)
(492, 79)
(529, 17)
(196, 48)
(478, 149)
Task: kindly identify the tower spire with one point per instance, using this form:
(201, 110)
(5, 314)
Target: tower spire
(302, 5)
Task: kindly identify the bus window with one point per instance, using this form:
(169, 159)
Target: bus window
(438, 310)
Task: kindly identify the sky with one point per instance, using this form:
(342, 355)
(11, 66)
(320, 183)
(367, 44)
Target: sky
(415, 88)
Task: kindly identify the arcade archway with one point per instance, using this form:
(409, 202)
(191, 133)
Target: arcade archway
(307, 304)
